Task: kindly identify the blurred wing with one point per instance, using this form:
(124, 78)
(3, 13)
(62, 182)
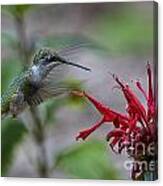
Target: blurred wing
(45, 93)
(51, 86)
(72, 49)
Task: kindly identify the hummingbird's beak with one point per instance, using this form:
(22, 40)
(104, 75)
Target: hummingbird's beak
(73, 64)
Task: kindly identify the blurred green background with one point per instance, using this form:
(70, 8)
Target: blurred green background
(119, 38)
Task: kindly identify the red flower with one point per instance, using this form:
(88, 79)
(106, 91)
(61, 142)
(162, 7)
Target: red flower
(136, 125)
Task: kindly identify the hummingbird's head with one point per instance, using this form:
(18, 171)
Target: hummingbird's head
(46, 56)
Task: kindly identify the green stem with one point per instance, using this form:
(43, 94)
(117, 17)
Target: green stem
(38, 132)
(23, 50)
(39, 138)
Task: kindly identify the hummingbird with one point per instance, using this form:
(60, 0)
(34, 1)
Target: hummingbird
(36, 84)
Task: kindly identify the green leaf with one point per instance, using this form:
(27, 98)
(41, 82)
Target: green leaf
(12, 132)
(88, 160)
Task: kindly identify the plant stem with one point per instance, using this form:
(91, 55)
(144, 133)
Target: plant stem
(37, 131)
(39, 138)
(23, 49)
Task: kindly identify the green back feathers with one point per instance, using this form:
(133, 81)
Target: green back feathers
(11, 90)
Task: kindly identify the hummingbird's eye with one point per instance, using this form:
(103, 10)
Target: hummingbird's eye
(52, 58)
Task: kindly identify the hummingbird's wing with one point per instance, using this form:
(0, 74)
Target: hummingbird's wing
(52, 85)
(70, 50)
(45, 93)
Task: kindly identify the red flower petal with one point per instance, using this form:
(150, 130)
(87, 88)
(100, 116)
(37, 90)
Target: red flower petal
(132, 123)
(120, 122)
(134, 104)
(150, 92)
(151, 106)
(109, 114)
(115, 133)
(139, 85)
(102, 108)
(85, 133)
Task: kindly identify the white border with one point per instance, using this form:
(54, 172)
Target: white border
(68, 182)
